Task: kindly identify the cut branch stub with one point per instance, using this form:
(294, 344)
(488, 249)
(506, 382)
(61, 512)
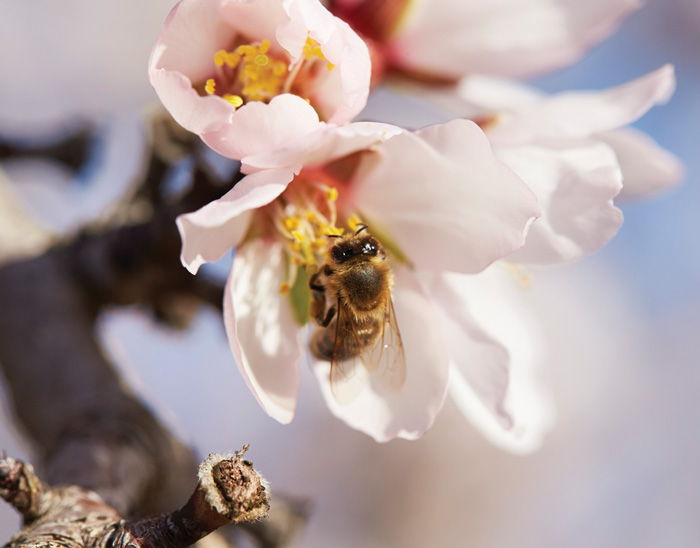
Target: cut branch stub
(229, 491)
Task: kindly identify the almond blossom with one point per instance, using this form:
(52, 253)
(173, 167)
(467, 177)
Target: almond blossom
(437, 200)
(290, 61)
(574, 153)
(448, 39)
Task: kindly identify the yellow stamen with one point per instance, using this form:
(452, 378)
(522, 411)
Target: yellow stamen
(291, 223)
(232, 60)
(330, 66)
(235, 100)
(333, 231)
(261, 60)
(332, 194)
(210, 86)
(298, 236)
(285, 288)
(220, 57)
(354, 222)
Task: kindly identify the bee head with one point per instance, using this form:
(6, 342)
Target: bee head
(356, 246)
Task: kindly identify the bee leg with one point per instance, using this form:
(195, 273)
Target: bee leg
(329, 317)
(314, 285)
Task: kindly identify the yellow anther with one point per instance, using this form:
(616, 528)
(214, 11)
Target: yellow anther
(330, 66)
(311, 217)
(265, 46)
(285, 288)
(261, 60)
(298, 236)
(220, 57)
(210, 86)
(333, 231)
(332, 194)
(232, 60)
(291, 223)
(312, 49)
(279, 69)
(296, 261)
(296, 247)
(318, 245)
(235, 100)
(354, 222)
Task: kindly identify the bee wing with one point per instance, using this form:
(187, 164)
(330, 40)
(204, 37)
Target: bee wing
(385, 358)
(348, 375)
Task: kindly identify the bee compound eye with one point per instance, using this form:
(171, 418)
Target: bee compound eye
(338, 254)
(370, 247)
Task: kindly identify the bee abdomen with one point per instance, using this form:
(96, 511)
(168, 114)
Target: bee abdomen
(323, 344)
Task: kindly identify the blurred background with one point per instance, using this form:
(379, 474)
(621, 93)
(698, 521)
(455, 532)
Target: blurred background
(619, 468)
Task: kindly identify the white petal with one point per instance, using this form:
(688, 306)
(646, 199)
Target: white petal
(646, 167)
(257, 127)
(255, 20)
(261, 327)
(220, 225)
(326, 144)
(575, 187)
(584, 113)
(344, 92)
(494, 351)
(385, 415)
(444, 199)
(505, 37)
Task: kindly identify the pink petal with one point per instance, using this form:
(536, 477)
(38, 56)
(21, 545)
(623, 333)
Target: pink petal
(324, 145)
(344, 93)
(444, 198)
(208, 233)
(261, 327)
(194, 113)
(254, 20)
(410, 412)
(258, 127)
(494, 350)
(646, 168)
(453, 38)
(182, 54)
(575, 187)
(191, 34)
(581, 114)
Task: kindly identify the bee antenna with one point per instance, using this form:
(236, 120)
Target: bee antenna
(362, 227)
(333, 236)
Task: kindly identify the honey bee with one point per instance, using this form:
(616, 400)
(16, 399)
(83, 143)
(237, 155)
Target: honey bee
(352, 305)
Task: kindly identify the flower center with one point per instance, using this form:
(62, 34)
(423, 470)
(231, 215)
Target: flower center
(306, 218)
(251, 73)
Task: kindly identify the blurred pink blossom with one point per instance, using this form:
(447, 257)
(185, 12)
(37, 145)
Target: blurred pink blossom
(448, 39)
(574, 152)
(290, 61)
(437, 198)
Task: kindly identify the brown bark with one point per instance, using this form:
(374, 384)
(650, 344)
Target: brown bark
(229, 490)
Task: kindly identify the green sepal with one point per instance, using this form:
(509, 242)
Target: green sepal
(300, 297)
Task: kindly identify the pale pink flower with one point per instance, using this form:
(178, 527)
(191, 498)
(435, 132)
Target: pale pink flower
(575, 154)
(574, 151)
(448, 39)
(290, 61)
(437, 200)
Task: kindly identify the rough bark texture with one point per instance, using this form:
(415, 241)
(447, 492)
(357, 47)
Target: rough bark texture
(229, 490)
